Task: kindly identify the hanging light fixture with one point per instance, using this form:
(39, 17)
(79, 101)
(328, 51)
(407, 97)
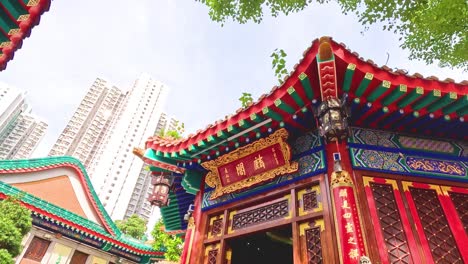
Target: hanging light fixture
(332, 116)
(162, 184)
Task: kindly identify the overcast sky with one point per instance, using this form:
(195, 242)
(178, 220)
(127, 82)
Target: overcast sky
(207, 66)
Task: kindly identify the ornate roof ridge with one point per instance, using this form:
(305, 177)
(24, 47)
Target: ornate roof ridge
(339, 50)
(396, 72)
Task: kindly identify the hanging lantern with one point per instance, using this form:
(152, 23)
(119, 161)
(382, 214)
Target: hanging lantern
(162, 184)
(332, 117)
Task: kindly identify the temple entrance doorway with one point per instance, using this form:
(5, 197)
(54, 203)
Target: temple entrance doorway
(267, 246)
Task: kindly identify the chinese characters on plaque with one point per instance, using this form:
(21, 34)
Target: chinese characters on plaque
(251, 164)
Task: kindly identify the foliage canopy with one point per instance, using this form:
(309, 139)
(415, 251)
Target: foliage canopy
(133, 226)
(432, 31)
(15, 222)
(171, 244)
(246, 99)
(176, 133)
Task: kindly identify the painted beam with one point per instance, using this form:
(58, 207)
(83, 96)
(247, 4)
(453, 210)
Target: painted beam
(455, 106)
(427, 100)
(463, 111)
(244, 124)
(30, 2)
(411, 97)
(348, 78)
(221, 134)
(16, 10)
(364, 84)
(379, 90)
(391, 118)
(307, 86)
(297, 98)
(447, 99)
(211, 140)
(256, 118)
(8, 25)
(402, 123)
(233, 129)
(284, 106)
(376, 115)
(201, 144)
(395, 94)
(272, 114)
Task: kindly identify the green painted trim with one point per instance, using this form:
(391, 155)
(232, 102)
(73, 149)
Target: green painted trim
(395, 94)
(409, 98)
(457, 105)
(201, 144)
(256, 118)
(272, 114)
(427, 100)
(297, 98)
(244, 124)
(463, 111)
(447, 99)
(348, 78)
(192, 181)
(381, 89)
(6, 23)
(364, 84)
(233, 129)
(309, 91)
(222, 135)
(211, 139)
(14, 8)
(151, 154)
(284, 106)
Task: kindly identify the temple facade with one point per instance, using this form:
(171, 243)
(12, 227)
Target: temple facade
(344, 162)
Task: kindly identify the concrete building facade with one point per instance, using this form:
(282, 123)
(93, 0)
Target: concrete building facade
(139, 203)
(103, 131)
(20, 131)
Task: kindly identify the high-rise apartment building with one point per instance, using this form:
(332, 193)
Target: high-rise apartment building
(139, 203)
(103, 132)
(20, 131)
(87, 129)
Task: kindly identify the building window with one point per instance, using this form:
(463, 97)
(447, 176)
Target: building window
(79, 257)
(37, 249)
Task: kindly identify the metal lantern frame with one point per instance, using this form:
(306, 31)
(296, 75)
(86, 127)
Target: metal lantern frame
(162, 183)
(332, 114)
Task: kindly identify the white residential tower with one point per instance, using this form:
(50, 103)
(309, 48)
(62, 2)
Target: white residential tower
(103, 132)
(20, 131)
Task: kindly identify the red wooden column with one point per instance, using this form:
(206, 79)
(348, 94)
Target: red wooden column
(193, 246)
(351, 243)
(333, 127)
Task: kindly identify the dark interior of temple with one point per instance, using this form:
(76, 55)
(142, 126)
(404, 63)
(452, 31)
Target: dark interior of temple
(272, 246)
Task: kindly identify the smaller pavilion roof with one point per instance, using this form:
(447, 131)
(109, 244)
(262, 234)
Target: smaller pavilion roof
(17, 18)
(108, 232)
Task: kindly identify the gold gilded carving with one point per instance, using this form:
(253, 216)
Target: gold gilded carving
(213, 177)
(191, 223)
(23, 17)
(341, 178)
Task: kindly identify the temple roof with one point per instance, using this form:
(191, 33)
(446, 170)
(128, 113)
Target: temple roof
(380, 98)
(17, 18)
(108, 232)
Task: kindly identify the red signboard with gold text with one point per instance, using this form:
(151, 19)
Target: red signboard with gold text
(249, 165)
